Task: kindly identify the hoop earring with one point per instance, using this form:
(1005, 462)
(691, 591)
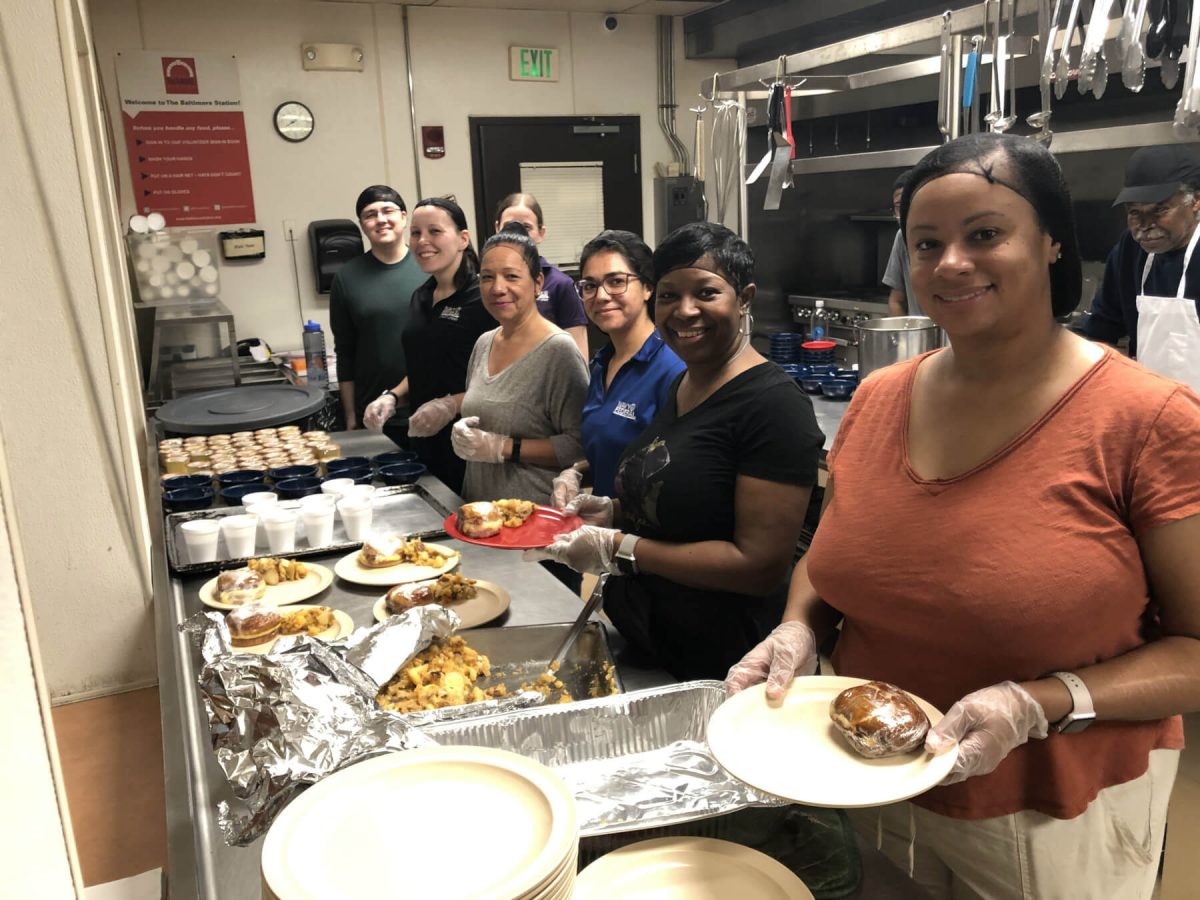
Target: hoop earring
(747, 324)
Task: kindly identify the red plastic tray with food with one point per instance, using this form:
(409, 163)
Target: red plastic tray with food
(509, 524)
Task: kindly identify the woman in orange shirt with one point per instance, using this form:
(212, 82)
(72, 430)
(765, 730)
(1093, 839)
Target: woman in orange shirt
(1048, 492)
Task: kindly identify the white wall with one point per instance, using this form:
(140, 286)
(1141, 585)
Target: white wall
(79, 544)
(363, 132)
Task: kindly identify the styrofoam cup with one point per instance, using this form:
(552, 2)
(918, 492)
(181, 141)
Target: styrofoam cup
(318, 525)
(336, 486)
(255, 498)
(356, 515)
(200, 538)
(318, 501)
(280, 525)
(358, 490)
(239, 533)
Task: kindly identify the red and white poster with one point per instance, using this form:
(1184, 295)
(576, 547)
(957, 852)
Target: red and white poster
(186, 137)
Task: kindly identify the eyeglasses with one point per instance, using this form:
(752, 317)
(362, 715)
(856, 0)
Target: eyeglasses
(615, 284)
(386, 212)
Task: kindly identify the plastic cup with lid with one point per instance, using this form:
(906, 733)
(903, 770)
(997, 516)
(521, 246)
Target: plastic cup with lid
(280, 525)
(200, 538)
(356, 515)
(336, 486)
(239, 532)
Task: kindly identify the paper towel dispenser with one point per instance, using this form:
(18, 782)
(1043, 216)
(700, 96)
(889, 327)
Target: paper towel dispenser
(333, 243)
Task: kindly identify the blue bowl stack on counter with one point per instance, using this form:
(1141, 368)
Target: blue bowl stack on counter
(786, 347)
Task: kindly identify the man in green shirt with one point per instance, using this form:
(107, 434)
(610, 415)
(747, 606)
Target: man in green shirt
(369, 307)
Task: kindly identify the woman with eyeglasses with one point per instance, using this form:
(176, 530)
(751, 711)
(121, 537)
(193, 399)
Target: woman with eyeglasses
(557, 300)
(710, 498)
(446, 318)
(631, 376)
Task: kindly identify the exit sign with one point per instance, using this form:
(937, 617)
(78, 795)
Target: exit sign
(532, 64)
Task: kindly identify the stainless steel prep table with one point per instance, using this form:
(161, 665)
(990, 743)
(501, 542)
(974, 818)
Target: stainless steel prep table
(199, 862)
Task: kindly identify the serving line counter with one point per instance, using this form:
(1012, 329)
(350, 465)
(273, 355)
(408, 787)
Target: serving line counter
(200, 864)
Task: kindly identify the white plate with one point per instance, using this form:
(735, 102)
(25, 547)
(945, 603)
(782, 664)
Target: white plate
(489, 602)
(688, 868)
(351, 569)
(342, 626)
(516, 817)
(282, 594)
(793, 750)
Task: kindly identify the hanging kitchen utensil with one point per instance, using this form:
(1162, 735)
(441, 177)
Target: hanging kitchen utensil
(1187, 113)
(774, 98)
(1133, 60)
(1041, 118)
(945, 78)
(1160, 25)
(1177, 36)
(970, 94)
(996, 90)
(1011, 109)
(1062, 73)
(781, 164)
(1093, 42)
(698, 144)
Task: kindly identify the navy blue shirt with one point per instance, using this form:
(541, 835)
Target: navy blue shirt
(559, 301)
(612, 419)
(1114, 308)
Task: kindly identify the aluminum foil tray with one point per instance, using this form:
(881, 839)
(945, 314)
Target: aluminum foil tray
(407, 509)
(634, 761)
(519, 654)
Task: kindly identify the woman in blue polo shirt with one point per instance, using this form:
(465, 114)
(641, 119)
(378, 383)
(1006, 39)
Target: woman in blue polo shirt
(630, 377)
(557, 302)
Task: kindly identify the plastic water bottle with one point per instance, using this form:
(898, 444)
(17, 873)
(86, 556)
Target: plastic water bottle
(314, 355)
(818, 321)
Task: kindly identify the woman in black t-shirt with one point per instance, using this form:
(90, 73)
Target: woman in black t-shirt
(447, 318)
(712, 495)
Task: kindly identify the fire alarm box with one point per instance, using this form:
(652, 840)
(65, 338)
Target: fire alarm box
(433, 141)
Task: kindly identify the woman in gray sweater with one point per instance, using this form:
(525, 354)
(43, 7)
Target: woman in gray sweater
(526, 384)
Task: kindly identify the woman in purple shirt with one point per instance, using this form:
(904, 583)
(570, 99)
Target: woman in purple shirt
(558, 302)
(630, 378)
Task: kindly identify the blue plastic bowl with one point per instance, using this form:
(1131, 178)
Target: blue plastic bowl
(838, 389)
(285, 472)
(234, 493)
(187, 499)
(403, 473)
(394, 457)
(176, 482)
(347, 462)
(295, 488)
(241, 476)
(812, 384)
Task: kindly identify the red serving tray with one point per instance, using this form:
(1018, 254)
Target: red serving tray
(538, 530)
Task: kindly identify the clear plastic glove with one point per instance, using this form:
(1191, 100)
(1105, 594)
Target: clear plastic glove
(474, 444)
(566, 487)
(789, 650)
(431, 417)
(586, 549)
(379, 411)
(987, 725)
(592, 509)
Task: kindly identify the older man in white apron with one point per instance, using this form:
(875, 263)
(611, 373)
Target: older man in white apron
(1150, 288)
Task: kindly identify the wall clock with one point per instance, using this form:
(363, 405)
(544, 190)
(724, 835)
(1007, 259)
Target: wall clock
(294, 121)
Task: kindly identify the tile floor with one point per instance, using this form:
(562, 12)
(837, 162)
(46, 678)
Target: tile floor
(111, 751)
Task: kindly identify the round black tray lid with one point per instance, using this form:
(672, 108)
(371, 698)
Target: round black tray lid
(240, 408)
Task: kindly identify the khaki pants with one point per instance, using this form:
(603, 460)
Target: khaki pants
(1109, 852)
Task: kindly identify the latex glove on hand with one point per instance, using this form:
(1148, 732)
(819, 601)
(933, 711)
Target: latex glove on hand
(566, 487)
(379, 411)
(594, 510)
(789, 650)
(474, 444)
(586, 549)
(987, 725)
(431, 417)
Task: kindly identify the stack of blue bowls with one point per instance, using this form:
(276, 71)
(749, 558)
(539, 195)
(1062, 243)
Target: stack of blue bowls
(785, 348)
(817, 353)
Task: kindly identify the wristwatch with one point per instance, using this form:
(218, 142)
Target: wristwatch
(626, 560)
(1082, 713)
(393, 395)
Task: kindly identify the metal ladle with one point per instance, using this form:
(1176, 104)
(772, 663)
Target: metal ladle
(1062, 72)
(1041, 118)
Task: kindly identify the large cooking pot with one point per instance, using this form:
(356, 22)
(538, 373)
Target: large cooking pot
(882, 342)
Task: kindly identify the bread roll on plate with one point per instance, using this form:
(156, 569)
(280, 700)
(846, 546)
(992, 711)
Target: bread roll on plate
(878, 719)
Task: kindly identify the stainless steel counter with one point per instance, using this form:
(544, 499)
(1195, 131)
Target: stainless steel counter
(829, 416)
(199, 863)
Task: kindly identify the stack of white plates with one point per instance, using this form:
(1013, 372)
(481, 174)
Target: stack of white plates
(688, 868)
(446, 822)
